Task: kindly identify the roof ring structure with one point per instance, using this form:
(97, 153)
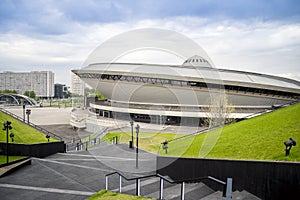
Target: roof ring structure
(196, 61)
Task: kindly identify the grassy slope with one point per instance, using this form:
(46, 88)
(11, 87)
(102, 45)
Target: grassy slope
(23, 133)
(262, 137)
(259, 138)
(147, 141)
(108, 195)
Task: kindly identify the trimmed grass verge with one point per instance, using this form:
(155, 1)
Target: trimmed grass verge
(259, 138)
(22, 133)
(147, 141)
(108, 195)
(10, 158)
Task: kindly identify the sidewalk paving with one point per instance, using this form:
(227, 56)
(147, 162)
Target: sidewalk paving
(75, 175)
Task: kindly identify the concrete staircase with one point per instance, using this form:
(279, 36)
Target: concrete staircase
(122, 159)
(194, 191)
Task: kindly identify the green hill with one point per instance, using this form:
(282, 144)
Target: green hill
(23, 133)
(259, 138)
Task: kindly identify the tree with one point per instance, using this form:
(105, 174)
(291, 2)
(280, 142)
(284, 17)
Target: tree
(30, 94)
(100, 96)
(26, 93)
(219, 111)
(9, 91)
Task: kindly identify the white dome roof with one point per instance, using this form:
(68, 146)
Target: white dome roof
(196, 61)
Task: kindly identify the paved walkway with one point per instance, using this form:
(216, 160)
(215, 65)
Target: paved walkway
(75, 175)
(45, 115)
(44, 179)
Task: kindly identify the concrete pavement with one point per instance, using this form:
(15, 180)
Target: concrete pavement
(75, 175)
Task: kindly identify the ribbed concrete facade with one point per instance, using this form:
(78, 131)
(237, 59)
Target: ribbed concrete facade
(41, 82)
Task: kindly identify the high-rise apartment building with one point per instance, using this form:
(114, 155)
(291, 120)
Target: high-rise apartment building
(77, 85)
(41, 82)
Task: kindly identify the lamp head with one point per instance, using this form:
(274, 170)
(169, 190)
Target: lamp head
(7, 125)
(291, 142)
(137, 128)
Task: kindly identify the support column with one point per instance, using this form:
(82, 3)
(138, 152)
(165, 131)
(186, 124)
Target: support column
(182, 190)
(120, 183)
(106, 182)
(138, 187)
(161, 189)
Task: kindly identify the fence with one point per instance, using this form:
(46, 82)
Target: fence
(267, 180)
(44, 131)
(227, 186)
(35, 150)
(88, 142)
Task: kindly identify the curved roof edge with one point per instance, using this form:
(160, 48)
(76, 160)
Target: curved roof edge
(12, 95)
(226, 77)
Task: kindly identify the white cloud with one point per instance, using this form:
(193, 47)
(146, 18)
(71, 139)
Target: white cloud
(252, 45)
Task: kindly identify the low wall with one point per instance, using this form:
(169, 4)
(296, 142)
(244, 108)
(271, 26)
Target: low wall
(267, 180)
(34, 150)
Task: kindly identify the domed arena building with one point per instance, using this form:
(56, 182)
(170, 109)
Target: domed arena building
(130, 71)
(182, 94)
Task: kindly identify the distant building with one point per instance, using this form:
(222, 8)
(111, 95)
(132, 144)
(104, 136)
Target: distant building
(60, 91)
(77, 85)
(41, 82)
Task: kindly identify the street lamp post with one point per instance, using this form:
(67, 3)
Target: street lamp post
(131, 124)
(7, 126)
(28, 112)
(48, 137)
(23, 112)
(137, 146)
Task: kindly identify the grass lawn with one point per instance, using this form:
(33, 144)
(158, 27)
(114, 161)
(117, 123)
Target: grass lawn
(10, 158)
(23, 133)
(147, 141)
(259, 138)
(108, 195)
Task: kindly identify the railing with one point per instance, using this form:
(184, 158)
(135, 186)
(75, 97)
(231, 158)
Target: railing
(227, 186)
(89, 141)
(46, 132)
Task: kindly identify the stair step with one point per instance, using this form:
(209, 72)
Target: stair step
(174, 191)
(236, 195)
(197, 193)
(244, 195)
(216, 195)
(132, 187)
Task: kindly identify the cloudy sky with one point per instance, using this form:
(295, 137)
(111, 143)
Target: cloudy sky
(251, 35)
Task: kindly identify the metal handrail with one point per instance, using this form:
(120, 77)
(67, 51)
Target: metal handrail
(32, 125)
(80, 143)
(131, 179)
(227, 186)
